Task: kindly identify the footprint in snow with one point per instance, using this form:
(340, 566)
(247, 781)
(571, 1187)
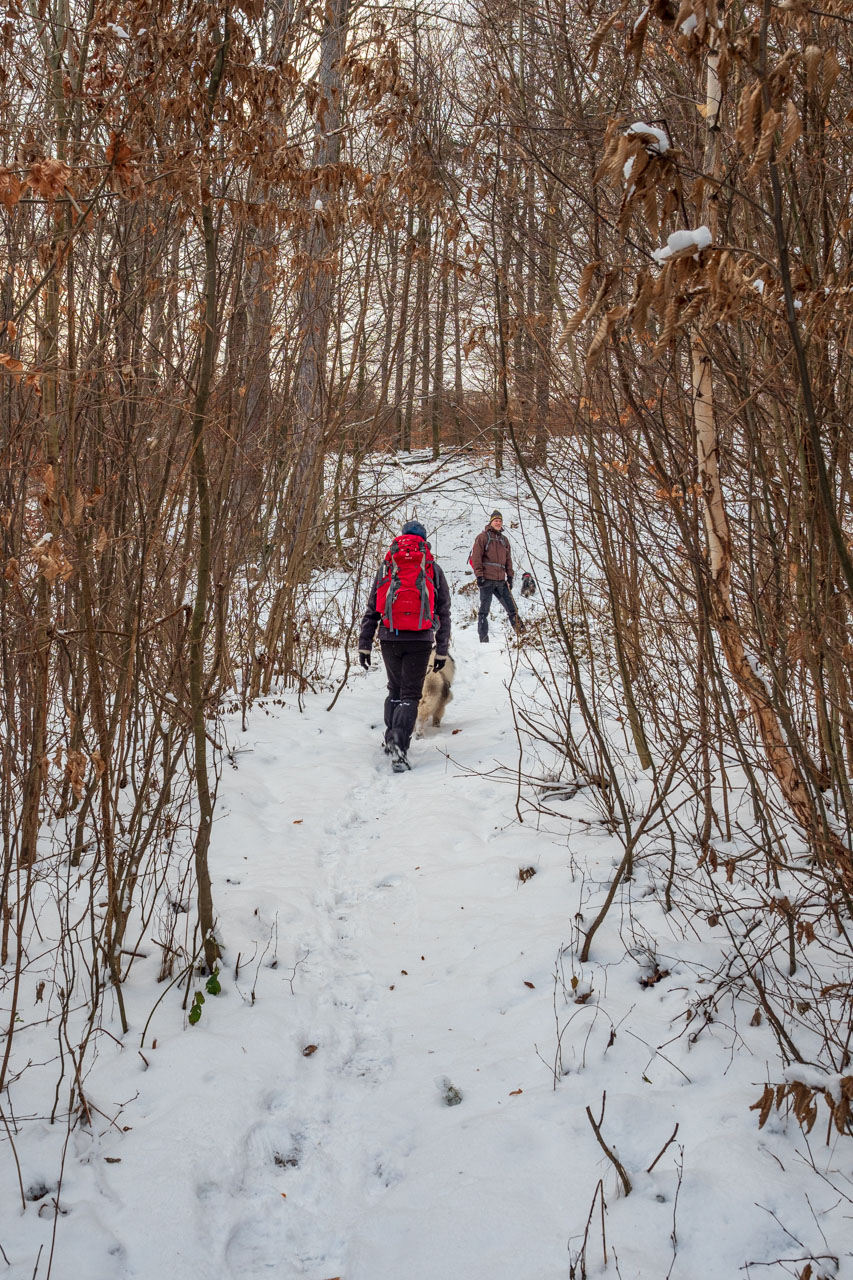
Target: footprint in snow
(270, 1145)
(258, 1245)
(368, 1060)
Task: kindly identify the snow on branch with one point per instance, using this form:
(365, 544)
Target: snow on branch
(681, 243)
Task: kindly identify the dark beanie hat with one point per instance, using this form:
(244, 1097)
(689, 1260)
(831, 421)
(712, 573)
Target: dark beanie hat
(415, 527)
(496, 515)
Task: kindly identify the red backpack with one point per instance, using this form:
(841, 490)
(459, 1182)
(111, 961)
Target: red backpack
(405, 594)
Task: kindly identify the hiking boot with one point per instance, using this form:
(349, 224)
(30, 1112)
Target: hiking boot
(399, 763)
(484, 639)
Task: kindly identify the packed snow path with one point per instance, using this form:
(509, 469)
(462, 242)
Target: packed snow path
(381, 888)
(384, 913)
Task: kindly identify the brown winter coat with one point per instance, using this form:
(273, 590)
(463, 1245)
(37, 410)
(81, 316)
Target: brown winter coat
(491, 558)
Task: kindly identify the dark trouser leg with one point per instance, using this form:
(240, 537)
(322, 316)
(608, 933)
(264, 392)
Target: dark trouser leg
(406, 664)
(504, 594)
(415, 662)
(393, 659)
(486, 592)
(405, 715)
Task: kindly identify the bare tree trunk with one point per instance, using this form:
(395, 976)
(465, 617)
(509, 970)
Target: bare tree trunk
(400, 417)
(209, 342)
(438, 376)
(458, 389)
(310, 392)
(426, 326)
(545, 335)
(717, 529)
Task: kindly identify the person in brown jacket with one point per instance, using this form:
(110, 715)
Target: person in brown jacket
(491, 561)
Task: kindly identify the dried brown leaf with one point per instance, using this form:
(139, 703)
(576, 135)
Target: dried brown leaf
(10, 188)
(792, 131)
(598, 343)
(764, 1105)
(770, 122)
(812, 57)
(749, 108)
(586, 278)
(829, 73)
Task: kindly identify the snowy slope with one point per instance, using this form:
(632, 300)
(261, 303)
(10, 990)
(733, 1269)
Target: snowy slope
(383, 959)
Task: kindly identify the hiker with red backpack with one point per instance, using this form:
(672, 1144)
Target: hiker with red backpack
(410, 602)
(491, 560)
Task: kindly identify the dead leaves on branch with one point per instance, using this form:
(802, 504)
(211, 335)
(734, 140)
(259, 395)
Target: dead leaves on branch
(10, 363)
(48, 178)
(639, 158)
(803, 1098)
(125, 177)
(708, 286)
(47, 556)
(10, 188)
(51, 560)
(702, 284)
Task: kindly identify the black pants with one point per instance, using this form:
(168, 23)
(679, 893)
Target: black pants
(500, 591)
(406, 663)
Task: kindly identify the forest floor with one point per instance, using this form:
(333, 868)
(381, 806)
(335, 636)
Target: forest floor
(394, 1079)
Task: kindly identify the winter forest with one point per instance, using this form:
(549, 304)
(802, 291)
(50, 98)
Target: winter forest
(573, 996)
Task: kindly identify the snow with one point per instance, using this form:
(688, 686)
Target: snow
(757, 670)
(117, 31)
(639, 22)
(655, 139)
(438, 1129)
(689, 25)
(683, 242)
(758, 285)
(814, 1077)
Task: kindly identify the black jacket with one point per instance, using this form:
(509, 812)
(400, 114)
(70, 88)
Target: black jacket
(372, 617)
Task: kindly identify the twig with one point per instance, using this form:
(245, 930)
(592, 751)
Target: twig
(17, 1165)
(673, 1234)
(611, 1156)
(580, 1258)
(292, 977)
(670, 1139)
(273, 934)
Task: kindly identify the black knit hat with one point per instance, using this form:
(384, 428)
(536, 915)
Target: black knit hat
(496, 515)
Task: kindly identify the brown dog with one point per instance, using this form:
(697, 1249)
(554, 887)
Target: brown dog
(436, 695)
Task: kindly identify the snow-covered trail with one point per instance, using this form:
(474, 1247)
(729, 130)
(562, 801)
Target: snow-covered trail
(382, 888)
(380, 918)
(381, 959)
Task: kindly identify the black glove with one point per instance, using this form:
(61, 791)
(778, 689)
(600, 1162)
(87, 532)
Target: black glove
(364, 660)
(438, 664)
(509, 582)
(481, 582)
